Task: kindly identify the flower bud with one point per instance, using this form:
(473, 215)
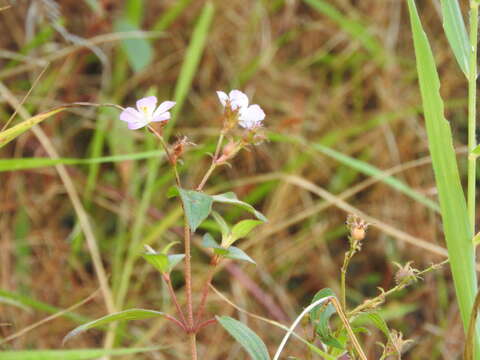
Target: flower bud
(357, 226)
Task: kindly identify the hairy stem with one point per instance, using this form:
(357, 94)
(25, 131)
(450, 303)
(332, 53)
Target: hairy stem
(472, 108)
(192, 338)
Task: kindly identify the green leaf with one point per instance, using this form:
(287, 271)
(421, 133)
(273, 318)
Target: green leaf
(231, 198)
(224, 228)
(158, 261)
(456, 33)
(209, 242)
(231, 252)
(173, 260)
(375, 319)
(452, 200)
(243, 228)
(139, 51)
(238, 254)
(322, 327)
(131, 314)
(80, 354)
(11, 133)
(167, 248)
(197, 206)
(12, 302)
(316, 312)
(245, 337)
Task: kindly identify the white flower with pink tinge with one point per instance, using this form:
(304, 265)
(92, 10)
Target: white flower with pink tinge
(146, 112)
(249, 117)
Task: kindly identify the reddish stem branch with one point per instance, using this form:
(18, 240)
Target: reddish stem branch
(206, 288)
(176, 322)
(205, 324)
(167, 279)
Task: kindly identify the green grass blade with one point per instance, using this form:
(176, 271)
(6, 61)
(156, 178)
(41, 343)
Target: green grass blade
(8, 135)
(456, 33)
(354, 28)
(452, 200)
(360, 166)
(81, 354)
(34, 163)
(170, 15)
(191, 60)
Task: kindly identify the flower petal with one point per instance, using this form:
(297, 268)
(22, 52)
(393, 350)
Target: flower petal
(148, 103)
(131, 115)
(163, 107)
(137, 125)
(222, 97)
(161, 117)
(238, 99)
(251, 117)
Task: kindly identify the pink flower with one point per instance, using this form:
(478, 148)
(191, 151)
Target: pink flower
(249, 117)
(146, 112)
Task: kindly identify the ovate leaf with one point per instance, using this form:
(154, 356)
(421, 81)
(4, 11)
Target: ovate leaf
(376, 320)
(197, 206)
(231, 198)
(315, 313)
(139, 51)
(245, 337)
(238, 254)
(131, 314)
(243, 228)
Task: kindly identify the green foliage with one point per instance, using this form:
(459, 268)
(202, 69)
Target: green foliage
(139, 51)
(197, 206)
(34, 163)
(375, 319)
(231, 198)
(8, 135)
(163, 262)
(456, 33)
(191, 60)
(80, 354)
(320, 317)
(131, 314)
(245, 337)
(242, 229)
(230, 252)
(452, 201)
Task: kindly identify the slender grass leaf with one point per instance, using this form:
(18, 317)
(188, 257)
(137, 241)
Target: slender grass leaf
(354, 28)
(8, 135)
(131, 314)
(192, 58)
(40, 306)
(34, 163)
(361, 166)
(456, 32)
(245, 337)
(170, 15)
(12, 302)
(231, 198)
(452, 200)
(80, 354)
(197, 206)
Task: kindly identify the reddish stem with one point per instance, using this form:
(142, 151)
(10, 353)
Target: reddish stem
(206, 288)
(175, 321)
(205, 324)
(166, 277)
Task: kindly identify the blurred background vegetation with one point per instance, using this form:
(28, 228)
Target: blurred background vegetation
(337, 81)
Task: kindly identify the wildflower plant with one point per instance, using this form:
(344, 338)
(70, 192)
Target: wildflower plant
(197, 207)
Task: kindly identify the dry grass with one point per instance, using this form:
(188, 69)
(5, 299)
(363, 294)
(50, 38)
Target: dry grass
(314, 80)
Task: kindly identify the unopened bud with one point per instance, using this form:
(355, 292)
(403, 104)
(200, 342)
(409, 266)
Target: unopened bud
(228, 152)
(406, 274)
(179, 148)
(357, 226)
